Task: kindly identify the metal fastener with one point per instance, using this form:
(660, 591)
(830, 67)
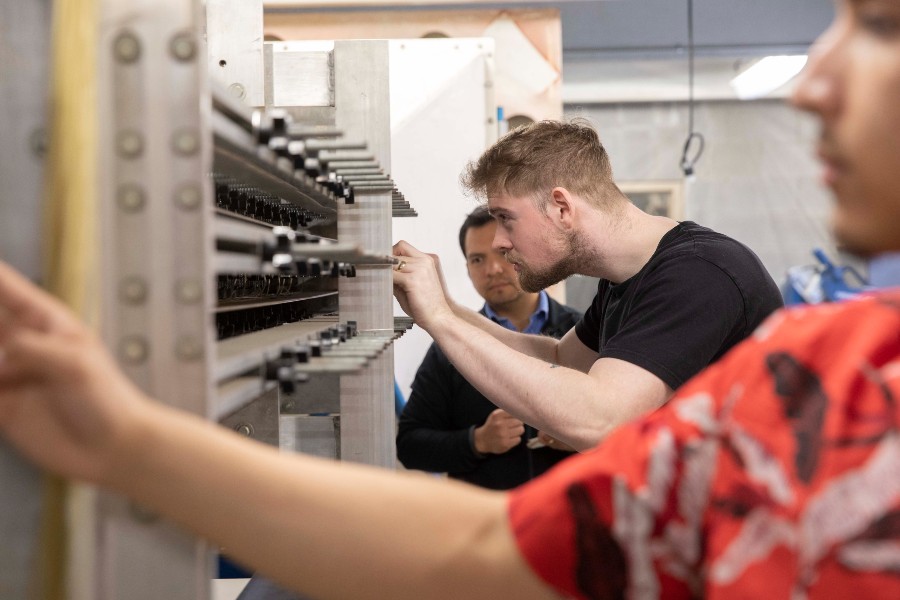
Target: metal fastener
(244, 429)
(126, 47)
(188, 348)
(129, 143)
(189, 291)
(133, 290)
(188, 196)
(130, 198)
(183, 47)
(134, 350)
(237, 90)
(185, 142)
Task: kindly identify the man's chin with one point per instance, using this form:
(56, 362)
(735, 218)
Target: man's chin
(532, 283)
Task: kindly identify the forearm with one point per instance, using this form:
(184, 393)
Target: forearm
(565, 403)
(328, 530)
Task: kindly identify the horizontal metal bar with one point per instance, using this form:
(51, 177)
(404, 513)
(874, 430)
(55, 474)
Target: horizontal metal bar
(315, 145)
(246, 167)
(350, 172)
(234, 305)
(241, 354)
(298, 131)
(340, 155)
(236, 393)
(336, 165)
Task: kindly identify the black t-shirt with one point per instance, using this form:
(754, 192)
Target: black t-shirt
(699, 294)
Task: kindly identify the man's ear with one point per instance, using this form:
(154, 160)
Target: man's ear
(561, 208)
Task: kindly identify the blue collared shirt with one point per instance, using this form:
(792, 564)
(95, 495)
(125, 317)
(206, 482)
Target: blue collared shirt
(535, 324)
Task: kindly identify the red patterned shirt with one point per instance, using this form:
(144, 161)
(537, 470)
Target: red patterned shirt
(775, 473)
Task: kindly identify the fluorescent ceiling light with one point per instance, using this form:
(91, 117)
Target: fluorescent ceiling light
(767, 75)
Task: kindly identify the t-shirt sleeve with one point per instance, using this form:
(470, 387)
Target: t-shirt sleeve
(679, 320)
(588, 327)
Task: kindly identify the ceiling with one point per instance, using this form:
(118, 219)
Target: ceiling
(637, 50)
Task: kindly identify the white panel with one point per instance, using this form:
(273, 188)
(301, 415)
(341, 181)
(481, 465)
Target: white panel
(440, 94)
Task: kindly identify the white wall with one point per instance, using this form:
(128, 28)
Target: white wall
(441, 102)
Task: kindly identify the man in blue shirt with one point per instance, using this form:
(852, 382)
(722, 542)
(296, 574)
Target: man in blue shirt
(447, 425)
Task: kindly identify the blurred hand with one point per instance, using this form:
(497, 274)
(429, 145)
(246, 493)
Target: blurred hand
(500, 433)
(420, 287)
(64, 404)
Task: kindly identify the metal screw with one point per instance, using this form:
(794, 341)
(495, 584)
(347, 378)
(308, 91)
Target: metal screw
(130, 144)
(183, 46)
(185, 142)
(126, 47)
(189, 292)
(244, 429)
(188, 348)
(134, 350)
(188, 196)
(237, 90)
(130, 198)
(133, 290)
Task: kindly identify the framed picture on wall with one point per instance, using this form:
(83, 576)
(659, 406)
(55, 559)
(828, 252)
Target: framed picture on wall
(662, 198)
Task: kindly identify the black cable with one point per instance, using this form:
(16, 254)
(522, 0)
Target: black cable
(688, 159)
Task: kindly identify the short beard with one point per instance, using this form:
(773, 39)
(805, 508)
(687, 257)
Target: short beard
(571, 263)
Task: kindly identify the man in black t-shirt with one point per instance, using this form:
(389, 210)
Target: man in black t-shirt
(673, 297)
(448, 426)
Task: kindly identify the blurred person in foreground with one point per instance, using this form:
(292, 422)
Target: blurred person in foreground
(773, 474)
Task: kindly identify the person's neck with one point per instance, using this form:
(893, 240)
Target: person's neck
(518, 311)
(630, 240)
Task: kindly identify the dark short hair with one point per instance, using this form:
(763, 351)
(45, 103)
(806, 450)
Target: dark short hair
(477, 218)
(535, 158)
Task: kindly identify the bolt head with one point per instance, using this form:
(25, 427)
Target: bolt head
(183, 47)
(126, 47)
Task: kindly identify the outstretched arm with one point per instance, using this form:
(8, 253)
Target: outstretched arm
(329, 530)
(566, 392)
(422, 292)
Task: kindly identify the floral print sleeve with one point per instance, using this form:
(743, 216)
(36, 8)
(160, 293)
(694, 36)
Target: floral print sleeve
(773, 474)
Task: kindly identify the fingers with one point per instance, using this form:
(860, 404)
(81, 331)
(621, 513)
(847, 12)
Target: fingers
(404, 248)
(24, 304)
(30, 354)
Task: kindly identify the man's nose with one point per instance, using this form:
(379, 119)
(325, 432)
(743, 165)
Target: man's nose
(501, 242)
(495, 263)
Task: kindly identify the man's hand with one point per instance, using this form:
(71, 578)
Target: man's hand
(500, 433)
(419, 286)
(63, 402)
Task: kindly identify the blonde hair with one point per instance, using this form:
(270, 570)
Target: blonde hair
(534, 159)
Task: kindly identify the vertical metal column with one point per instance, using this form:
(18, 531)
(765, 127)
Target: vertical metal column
(362, 104)
(24, 68)
(156, 203)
